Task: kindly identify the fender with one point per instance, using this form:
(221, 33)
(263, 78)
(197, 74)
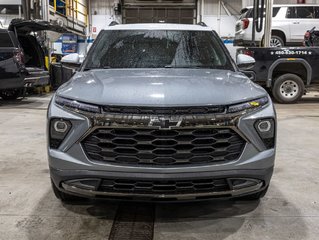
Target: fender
(279, 29)
(289, 60)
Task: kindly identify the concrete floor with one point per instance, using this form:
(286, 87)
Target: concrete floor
(29, 210)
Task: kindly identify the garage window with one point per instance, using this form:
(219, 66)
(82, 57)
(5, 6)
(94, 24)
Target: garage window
(300, 12)
(248, 13)
(316, 12)
(138, 14)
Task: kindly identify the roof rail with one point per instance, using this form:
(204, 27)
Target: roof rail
(202, 24)
(113, 23)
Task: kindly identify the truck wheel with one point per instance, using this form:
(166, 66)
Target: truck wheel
(11, 94)
(64, 197)
(276, 41)
(288, 88)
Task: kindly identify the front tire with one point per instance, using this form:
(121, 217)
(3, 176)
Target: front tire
(288, 88)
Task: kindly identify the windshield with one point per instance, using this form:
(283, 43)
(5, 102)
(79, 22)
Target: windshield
(157, 49)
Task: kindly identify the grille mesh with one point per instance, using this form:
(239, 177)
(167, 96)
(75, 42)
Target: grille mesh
(163, 147)
(164, 110)
(164, 187)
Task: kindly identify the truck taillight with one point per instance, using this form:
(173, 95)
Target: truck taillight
(246, 52)
(18, 57)
(245, 22)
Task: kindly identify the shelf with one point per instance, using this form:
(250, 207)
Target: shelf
(71, 8)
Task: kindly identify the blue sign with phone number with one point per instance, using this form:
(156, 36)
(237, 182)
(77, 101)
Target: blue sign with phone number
(69, 43)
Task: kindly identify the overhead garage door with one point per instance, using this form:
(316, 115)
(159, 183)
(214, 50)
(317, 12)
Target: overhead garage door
(163, 11)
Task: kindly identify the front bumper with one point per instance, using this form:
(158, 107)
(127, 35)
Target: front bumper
(69, 164)
(87, 184)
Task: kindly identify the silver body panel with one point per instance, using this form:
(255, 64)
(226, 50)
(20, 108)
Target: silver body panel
(71, 156)
(161, 87)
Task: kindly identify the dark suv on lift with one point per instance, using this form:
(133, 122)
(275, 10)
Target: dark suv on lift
(22, 59)
(160, 112)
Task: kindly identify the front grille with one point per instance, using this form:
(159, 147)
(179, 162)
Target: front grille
(163, 147)
(164, 187)
(164, 110)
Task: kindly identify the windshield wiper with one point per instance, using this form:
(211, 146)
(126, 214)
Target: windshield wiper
(93, 68)
(189, 66)
(168, 66)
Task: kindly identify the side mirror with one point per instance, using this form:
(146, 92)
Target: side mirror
(73, 58)
(245, 62)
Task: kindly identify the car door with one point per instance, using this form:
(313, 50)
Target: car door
(302, 19)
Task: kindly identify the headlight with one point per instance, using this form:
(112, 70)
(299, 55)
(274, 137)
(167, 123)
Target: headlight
(77, 106)
(248, 105)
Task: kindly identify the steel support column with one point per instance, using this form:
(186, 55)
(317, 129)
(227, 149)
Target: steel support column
(268, 22)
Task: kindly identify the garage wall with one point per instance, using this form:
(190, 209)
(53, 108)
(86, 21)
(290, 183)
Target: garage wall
(211, 7)
(223, 24)
(99, 7)
(103, 13)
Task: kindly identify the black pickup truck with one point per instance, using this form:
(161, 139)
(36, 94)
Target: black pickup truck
(286, 72)
(22, 59)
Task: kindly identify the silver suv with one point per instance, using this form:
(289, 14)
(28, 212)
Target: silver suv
(160, 112)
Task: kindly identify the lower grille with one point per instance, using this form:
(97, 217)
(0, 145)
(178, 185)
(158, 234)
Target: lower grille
(164, 187)
(163, 147)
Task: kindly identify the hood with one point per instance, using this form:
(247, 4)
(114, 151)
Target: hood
(161, 87)
(27, 26)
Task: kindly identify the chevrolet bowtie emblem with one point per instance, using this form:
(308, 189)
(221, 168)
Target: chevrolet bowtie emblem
(164, 123)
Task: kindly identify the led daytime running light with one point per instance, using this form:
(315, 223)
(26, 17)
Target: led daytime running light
(78, 106)
(248, 105)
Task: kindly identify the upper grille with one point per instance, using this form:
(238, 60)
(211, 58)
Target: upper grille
(164, 110)
(163, 147)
